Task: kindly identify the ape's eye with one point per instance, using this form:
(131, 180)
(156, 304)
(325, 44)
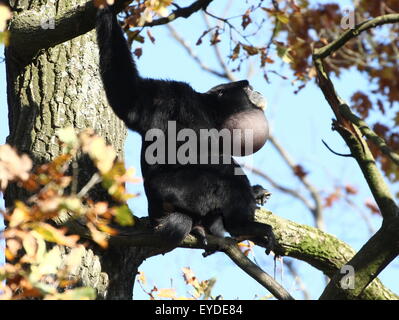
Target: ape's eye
(220, 93)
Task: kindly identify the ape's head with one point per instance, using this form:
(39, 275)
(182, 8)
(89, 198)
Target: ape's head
(241, 109)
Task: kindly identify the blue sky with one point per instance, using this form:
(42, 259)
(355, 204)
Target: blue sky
(299, 122)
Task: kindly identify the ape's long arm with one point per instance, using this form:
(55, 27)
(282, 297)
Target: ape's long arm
(118, 70)
(134, 99)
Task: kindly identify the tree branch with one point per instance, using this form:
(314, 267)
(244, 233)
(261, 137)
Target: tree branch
(370, 134)
(327, 253)
(181, 13)
(382, 248)
(353, 33)
(30, 34)
(321, 250)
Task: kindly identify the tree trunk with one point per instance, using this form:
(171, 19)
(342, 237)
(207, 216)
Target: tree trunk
(56, 87)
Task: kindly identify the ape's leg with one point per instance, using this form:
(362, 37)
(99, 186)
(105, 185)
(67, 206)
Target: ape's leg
(261, 194)
(173, 227)
(199, 232)
(261, 233)
(216, 226)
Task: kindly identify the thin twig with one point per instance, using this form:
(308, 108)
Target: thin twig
(241, 260)
(274, 184)
(318, 206)
(96, 178)
(191, 52)
(336, 153)
(185, 12)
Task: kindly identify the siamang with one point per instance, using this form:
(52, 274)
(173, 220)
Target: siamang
(198, 197)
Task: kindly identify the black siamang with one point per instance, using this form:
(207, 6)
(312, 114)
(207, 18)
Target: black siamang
(201, 197)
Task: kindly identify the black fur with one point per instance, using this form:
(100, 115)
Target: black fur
(198, 198)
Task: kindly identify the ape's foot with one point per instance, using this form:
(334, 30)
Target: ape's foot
(260, 233)
(261, 194)
(268, 242)
(199, 233)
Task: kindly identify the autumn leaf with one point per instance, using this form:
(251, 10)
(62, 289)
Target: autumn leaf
(332, 198)
(5, 15)
(215, 37)
(124, 216)
(138, 52)
(350, 189)
(12, 248)
(251, 50)
(372, 206)
(102, 155)
(300, 171)
(19, 215)
(48, 264)
(99, 237)
(166, 293)
(73, 259)
(282, 17)
(13, 166)
(284, 54)
(246, 19)
(141, 277)
(150, 36)
(190, 278)
(236, 52)
(246, 246)
(52, 234)
(68, 136)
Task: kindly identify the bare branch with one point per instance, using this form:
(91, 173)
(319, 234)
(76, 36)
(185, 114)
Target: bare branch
(318, 206)
(193, 55)
(274, 184)
(370, 134)
(181, 13)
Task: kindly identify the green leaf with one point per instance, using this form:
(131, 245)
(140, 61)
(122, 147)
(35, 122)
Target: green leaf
(124, 216)
(282, 17)
(284, 54)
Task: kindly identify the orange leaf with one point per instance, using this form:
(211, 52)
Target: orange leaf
(166, 293)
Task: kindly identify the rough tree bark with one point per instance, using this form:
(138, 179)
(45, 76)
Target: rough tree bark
(56, 87)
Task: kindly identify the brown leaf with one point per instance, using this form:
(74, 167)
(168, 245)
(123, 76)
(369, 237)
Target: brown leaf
(372, 206)
(246, 19)
(332, 198)
(149, 34)
(251, 50)
(189, 276)
(350, 189)
(300, 171)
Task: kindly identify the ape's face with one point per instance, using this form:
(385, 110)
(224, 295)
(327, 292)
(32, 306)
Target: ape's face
(243, 115)
(239, 95)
